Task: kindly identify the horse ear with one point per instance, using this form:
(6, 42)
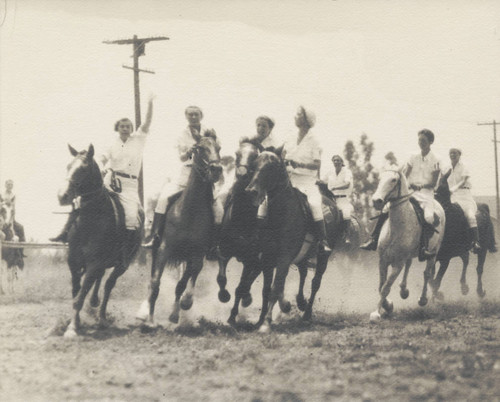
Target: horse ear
(279, 151)
(72, 150)
(90, 152)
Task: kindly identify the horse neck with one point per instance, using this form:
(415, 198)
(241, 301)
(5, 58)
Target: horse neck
(400, 210)
(197, 192)
(94, 194)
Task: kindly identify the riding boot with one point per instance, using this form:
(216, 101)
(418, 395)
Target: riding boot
(425, 254)
(63, 236)
(156, 231)
(371, 244)
(475, 240)
(213, 252)
(320, 233)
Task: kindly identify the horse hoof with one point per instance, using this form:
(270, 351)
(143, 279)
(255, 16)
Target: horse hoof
(285, 307)
(375, 316)
(307, 315)
(404, 293)
(388, 306)
(422, 301)
(143, 312)
(301, 303)
(465, 289)
(224, 296)
(264, 329)
(70, 333)
(231, 321)
(481, 293)
(174, 318)
(94, 302)
(246, 300)
(186, 302)
(103, 324)
(439, 295)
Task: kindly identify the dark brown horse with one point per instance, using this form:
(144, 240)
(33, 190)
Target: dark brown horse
(188, 230)
(287, 239)
(239, 230)
(98, 239)
(458, 240)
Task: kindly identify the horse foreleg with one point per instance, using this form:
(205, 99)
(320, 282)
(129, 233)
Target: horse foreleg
(94, 298)
(88, 280)
(429, 266)
(187, 298)
(316, 282)
(436, 282)
(463, 279)
(385, 306)
(11, 278)
(108, 287)
(250, 272)
(301, 300)
(481, 258)
(404, 292)
(147, 309)
(267, 271)
(224, 295)
(179, 290)
(278, 289)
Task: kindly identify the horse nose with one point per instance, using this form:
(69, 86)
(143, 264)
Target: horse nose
(216, 171)
(378, 203)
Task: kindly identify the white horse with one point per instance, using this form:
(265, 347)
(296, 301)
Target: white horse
(399, 240)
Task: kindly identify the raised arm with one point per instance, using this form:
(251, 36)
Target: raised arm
(149, 116)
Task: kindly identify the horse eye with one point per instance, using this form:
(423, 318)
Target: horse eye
(394, 180)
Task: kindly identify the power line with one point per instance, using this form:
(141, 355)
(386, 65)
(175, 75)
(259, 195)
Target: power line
(494, 124)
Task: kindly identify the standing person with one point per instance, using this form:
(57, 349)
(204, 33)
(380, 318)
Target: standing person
(460, 186)
(189, 137)
(8, 198)
(121, 165)
(422, 171)
(302, 156)
(340, 183)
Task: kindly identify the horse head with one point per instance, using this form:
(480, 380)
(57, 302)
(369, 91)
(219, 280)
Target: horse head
(391, 187)
(270, 173)
(83, 176)
(443, 194)
(246, 156)
(206, 158)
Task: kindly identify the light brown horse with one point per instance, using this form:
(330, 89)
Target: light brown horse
(188, 231)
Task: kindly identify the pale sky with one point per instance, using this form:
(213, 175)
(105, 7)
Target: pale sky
(385, 68)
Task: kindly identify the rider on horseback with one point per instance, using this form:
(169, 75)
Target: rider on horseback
(122, 164)
(189, 138)
(302, 156)
(340, 183)
(460, 189)
(422, 171)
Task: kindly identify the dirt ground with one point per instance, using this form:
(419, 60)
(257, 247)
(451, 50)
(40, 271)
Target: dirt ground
(445, 351)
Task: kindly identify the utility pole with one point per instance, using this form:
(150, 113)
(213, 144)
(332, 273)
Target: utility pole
(139, 47)
(494, 124)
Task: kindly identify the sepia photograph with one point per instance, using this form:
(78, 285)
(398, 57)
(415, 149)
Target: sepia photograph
(252, 200)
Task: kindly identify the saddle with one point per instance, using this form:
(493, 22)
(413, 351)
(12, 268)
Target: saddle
(118, 211)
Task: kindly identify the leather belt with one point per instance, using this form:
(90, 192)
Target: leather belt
(340, 196)
(127, 176)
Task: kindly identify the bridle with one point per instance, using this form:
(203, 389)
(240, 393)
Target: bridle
(88, 195)
(202, 165)
(399, 197)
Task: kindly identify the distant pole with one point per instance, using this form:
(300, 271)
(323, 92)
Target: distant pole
(139, 47)
(494, 124)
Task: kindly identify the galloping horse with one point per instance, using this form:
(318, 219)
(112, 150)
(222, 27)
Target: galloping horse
(239, 230)
(13, 258)
(99, 239)
(399, 240)
(287, 238)
(187, 232)
(458, 241)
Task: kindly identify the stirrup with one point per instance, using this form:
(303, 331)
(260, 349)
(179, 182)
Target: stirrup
(370, 245)
(476, 247)
(325, 246)
(153, 243)
(61, 238)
